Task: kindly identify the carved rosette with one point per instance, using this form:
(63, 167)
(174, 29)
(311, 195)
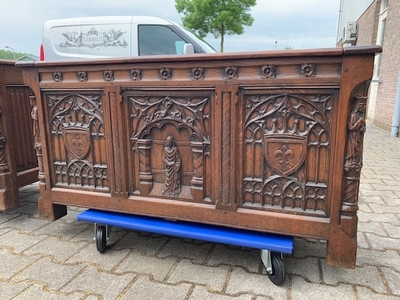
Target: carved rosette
(353, 158)
(166, 73)
(308, 70)
(82, 76)
(136, 74)
(268, 71)
(198, 73)
(108, 75)
(231, 72)
(58, 76)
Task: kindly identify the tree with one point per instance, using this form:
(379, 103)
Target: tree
(219, 17)
(6, 54)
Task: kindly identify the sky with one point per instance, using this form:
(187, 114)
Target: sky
(298, 24)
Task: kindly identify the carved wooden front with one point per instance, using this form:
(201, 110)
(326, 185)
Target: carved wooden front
(286, 141)
(76, 129)
(170, 144)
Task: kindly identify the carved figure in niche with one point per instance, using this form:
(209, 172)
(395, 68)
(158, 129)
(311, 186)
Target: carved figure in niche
(34, 116)
(36, 138)
(356, 127)
(172, 161)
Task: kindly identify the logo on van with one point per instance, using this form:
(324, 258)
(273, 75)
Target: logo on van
(93, 39)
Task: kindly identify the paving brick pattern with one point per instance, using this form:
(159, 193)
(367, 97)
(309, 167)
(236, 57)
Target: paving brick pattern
(59, 260)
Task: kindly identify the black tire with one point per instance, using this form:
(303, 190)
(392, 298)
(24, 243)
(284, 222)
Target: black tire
(101, 238)
(278, 274)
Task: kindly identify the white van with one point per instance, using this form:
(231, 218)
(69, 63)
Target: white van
(117, 36)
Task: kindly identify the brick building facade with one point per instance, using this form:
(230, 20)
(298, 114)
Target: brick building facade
(379, 23)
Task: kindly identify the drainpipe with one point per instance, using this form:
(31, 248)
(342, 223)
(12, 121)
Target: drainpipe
(396, 113)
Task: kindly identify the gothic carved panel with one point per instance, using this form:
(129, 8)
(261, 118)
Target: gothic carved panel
(170, 137)
(286, 145)
(77, 137)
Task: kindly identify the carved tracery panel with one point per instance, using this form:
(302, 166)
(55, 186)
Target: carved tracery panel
(77, 137)
(170, 138)
(286, 145)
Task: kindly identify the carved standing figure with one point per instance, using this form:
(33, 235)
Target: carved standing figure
(35, 125)
(172, 162)
(36, 138)
(356, 129)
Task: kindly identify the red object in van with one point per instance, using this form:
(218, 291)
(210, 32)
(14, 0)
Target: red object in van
(41, 52)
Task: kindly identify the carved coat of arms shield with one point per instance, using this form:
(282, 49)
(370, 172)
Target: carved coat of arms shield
(77, 141)
(285, 154)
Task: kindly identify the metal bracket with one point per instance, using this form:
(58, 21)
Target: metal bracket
(266, 259)
(108, 231)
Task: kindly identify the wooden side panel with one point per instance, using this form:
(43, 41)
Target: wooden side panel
(24, 152)
(18, 164)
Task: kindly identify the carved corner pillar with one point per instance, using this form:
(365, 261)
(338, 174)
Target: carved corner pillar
(8, 198)
(145, 175)
(197, 179)
(353, 165)
(3, 162)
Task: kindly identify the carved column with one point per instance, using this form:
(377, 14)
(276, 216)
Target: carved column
(145, 175)
(197, 179)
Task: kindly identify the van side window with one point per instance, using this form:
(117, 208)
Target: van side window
(159, 40)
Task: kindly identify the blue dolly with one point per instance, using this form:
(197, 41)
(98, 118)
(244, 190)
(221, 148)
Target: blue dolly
(272, 245)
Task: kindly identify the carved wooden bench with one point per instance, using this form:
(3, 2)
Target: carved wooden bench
(266, 141)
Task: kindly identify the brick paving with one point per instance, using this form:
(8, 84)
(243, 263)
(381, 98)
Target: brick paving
(59, 260)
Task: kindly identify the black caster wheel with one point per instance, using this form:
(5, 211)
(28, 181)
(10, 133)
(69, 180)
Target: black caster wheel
(101, 238)
(278, 274)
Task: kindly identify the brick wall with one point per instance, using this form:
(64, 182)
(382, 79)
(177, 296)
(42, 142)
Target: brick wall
(367, 24)
(390, 64)
(390, 60)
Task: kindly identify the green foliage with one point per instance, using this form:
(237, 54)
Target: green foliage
(218, 17)
(10, 54)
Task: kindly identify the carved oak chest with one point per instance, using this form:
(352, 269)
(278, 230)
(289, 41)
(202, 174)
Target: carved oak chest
(268, 141)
